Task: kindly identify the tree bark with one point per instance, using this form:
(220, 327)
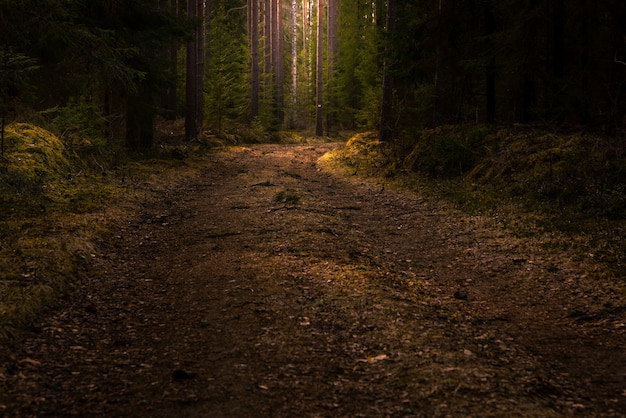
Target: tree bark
(386, 111)
(277, 60)
(319, 113)
(333, 52)
(140, 115)
(437, 76)
(172, 97)
(294, 62)
(195, 66)
(191, 109)
(253, 28)
(200, 64)
(267, 36)
(490, 68)
(558, 39)
(169, 100)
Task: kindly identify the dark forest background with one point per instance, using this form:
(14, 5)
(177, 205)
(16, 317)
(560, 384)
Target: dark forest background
(479, 89)
(557, 63)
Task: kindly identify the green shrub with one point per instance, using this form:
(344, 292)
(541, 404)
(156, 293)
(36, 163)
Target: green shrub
(447, 151)
(33, 156)
(287, 198)
(80, 124)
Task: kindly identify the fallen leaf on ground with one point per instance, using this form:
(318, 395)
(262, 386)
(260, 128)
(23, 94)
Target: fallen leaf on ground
(374, 359)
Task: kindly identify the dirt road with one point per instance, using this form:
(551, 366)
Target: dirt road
(262, 284)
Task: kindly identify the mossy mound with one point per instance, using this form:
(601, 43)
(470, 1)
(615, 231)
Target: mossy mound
(445, 151)
(59, 198)
(32, 158)
(580, 172)
(364, 154)
(566, 187)
(41, 241)
(576, 172)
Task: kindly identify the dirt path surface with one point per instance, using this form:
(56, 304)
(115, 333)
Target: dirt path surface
(263, 285)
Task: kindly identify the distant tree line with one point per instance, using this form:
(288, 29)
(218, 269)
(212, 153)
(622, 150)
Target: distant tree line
(327, 65)
(107, 56)
(447, 62)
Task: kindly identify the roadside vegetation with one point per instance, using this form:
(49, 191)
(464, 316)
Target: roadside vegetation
(60, 195)
(565, 188)
(63, 188)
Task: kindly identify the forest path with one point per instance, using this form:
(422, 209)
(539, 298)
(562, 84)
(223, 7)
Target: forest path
(264, 285)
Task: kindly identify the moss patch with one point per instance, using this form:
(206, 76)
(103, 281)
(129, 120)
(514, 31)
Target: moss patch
(363, 154)
(33, 156)
(54, 207)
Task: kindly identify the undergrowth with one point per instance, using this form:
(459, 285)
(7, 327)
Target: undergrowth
(567, 188)
(59, 195)
(63, 187)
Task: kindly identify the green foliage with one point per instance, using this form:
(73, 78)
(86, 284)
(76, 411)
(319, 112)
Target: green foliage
(255, 133)
(226, 82)
(582, 173)
(446, 156)
(468, 61)
(287, 198)
(110, 54)
(359, 67)
(574, 174)
(567, 188)
(268, 106)
(80, 124)
(33, 158)
(15, 73)
(446, 151)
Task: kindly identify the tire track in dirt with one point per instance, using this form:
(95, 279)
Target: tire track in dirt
(225, 298)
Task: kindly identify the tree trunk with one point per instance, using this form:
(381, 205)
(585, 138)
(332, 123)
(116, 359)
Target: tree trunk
(490, 68)
(193, 110)
(172, 94)
(267, 36)
(2, 122)
(305, 23)
(294, 62)
(386, 111)
(277, 60)
(319, 114)
(200, 66)
(437, 76)
(253, 25)
(558, 39)
(333, 52)
(140, 114)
